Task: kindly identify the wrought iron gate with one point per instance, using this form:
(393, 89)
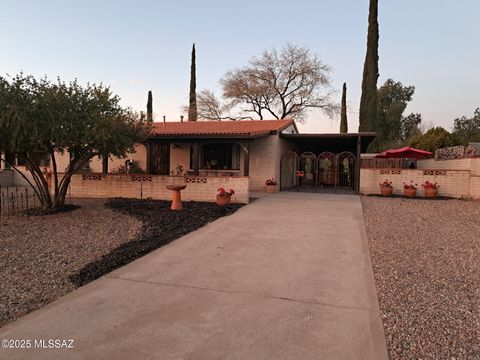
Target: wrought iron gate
(346, 170)
(307, 169)
(288, 169)
(314, 173)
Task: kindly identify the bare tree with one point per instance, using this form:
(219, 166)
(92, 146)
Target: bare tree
(281, 84)
(210, 107)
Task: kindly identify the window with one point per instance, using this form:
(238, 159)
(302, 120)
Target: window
(219, 156)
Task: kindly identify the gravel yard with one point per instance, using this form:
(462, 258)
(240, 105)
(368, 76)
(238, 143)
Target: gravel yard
(44, 257)
(39, 253)
(425, 256)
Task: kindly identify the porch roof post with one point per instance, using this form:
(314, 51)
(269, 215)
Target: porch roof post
(357, 164)
(196, 159)
(105, 164)
(246, 159)
(148, 160)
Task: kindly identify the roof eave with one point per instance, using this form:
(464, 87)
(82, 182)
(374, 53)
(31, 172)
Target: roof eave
(206, 136)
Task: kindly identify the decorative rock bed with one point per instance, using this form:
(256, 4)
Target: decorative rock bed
(44, 257)
(425, 260)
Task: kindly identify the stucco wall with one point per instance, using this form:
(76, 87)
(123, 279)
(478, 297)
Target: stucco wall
(154, 186)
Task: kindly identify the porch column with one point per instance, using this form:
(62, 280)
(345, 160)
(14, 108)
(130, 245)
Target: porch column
(196, 159)
(246, 159)
(148, 150)
(357, 164)
(105, 164)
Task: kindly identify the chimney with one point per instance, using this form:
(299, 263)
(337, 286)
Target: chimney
(181, 119)
(164, 120)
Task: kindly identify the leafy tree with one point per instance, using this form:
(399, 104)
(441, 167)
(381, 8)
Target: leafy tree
(50, 117)
(409, 127)
(368, 100)
(433, 139)
(343, 111)
(150, 107)
(281, 85)
(192, 108)
(468, 129)
(392, 100)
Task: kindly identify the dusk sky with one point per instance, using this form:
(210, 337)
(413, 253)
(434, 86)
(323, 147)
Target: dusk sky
(136, 46)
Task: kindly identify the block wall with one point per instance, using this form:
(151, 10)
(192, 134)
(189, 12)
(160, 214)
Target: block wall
(453, 183)
(139, 156)
(153, 186)
(456, 164)
(265, 157)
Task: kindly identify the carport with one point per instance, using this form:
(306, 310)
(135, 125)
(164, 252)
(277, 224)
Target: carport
(322, 162)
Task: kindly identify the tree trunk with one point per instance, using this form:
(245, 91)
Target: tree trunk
(368, 100)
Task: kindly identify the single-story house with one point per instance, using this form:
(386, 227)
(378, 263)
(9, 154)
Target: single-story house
(235, 154)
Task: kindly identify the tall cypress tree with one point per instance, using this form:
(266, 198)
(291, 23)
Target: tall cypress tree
(192, 107)
(368, 101)
(343, 112)
(150, 107)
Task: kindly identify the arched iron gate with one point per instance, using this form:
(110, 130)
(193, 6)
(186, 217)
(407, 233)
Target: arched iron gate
(288, 169)
(307, 169)
(325, 171)
(346, 170)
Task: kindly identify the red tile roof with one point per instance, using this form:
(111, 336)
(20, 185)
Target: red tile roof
(220, 128)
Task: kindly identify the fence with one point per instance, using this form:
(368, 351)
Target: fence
(16, 200)
(380, 163)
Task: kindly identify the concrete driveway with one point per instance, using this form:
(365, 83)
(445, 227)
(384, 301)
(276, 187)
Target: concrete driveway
(286, 277)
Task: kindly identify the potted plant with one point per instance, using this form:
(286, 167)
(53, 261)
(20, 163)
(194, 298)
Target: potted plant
(410, 189)
(224, 197)
(431, 189)
(386, 187)
(271, 185)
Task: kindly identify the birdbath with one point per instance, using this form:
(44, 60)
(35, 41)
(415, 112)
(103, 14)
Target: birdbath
(176, 197)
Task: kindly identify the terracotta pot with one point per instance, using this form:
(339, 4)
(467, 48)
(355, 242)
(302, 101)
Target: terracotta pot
(223, 200)
(386, 190)
(410, 193)
(431, 193)
(271, 188)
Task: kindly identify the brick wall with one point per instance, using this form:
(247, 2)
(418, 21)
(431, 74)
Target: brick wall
(154, 186)
(453, 183)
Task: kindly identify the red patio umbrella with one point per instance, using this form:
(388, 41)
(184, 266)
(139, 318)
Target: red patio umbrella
(405, 153)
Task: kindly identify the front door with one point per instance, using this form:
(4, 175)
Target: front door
(159, 159)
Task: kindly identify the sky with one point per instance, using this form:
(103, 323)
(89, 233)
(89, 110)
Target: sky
(137, 46)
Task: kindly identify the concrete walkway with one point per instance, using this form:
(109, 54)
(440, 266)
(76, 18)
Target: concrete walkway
(287, 277)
